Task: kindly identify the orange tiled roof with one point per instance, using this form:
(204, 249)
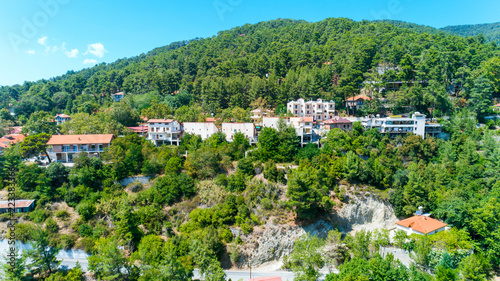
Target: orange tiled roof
(210, 119)
(422, 224)
(63, 115)
(11, 139)
(306, 119)
(360, 97)
(160, 120)
(80, 139)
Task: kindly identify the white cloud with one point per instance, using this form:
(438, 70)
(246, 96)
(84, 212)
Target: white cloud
(97, 49)
(73, 53)
(43, 40)
(89, 61)
(30, 52)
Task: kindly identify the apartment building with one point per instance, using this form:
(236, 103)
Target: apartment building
(319, 110)
(64, 148)
(164, 131)
(202, 129)
(248, 129)
(302, 125)
(399, 125)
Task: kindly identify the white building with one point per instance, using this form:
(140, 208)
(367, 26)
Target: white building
(319, 110)
(302, 125)
(248, 129)
(164, 131)
(61, 118)
(202, 129)
(421, 224)
(399, 125)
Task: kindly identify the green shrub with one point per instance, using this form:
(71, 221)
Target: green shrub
(86, 243)
(51, 226)
(39, 215)
(135, 186)
(62, 215)
(85, 230)
(271, 171)
(67, 241)
(266, 203)
(246, 228)
(86, 210)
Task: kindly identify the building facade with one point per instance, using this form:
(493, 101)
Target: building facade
(421, 224)
(118, 96)
(319, 110)
(164, 131)
(21, 206)
(248, 129)
(399, 125)
(339, 123)
(302, 125)
(61, 118)
(64, 148)
(356, 102)
(202, 129)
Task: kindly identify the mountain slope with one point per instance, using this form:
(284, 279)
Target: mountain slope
(490, 31)
(327, 59)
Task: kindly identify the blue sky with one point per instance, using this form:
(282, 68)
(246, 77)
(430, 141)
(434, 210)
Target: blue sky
(45, 38)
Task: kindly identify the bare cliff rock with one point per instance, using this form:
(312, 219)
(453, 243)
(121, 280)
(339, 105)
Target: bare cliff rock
(272, 242)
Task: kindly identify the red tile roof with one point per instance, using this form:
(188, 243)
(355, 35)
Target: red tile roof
(7, 140)
(273, 278)
(497, 105)
(19, 204)
(139, 129)
(359, 98)
(63, 115)
(306, 119)
(160, 120)
(422, 224)
(118, 94)
(80, 139)
(336, 120)
(210, 119)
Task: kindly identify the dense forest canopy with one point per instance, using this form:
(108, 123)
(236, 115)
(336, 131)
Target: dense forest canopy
(277, 60)
(491, 31)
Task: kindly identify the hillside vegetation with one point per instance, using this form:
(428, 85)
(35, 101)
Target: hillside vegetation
(490, 31)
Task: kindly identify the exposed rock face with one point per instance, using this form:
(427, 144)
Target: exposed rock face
(367, 212)
(276, 241)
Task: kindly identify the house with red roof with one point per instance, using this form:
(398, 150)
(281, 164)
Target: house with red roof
(61, 118)
(357, 101)
(421, 224)
(8, 140)
(63, 148)
(338, 122)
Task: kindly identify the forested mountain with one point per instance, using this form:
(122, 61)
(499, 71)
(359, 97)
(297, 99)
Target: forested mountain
(276, 60)
(490, 31)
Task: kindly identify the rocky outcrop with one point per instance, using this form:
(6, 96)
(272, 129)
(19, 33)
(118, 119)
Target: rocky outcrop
(272, 242)
(365, 212)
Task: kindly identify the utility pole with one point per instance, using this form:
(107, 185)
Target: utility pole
(250, 265)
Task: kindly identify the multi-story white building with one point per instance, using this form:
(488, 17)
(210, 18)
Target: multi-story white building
(398, 125)
(302, 125)
(164, 131)
(319, 110)
(248, 129)
(202, 129)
